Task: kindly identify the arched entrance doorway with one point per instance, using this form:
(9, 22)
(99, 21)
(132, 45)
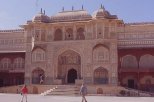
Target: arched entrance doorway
(71, 76)
(69, 66)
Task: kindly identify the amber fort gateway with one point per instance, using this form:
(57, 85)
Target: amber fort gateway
(74, 46)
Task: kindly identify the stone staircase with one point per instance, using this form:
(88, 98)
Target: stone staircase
(63, 90)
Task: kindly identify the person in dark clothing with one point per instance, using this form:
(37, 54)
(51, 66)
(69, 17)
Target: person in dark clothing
(83, 92)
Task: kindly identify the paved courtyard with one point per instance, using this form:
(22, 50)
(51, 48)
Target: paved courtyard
(39, 98)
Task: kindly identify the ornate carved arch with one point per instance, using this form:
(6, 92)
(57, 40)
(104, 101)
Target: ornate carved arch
(66, 61)
(69, 34)
(146, 61)
(58, 35)
(100, 53)
(38, 54)
(129, 61)
(80, 34)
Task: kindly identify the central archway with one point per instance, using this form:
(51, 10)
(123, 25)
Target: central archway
(67, 61)
(71, 76)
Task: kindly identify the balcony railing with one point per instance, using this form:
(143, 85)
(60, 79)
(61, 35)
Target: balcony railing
(12, 68)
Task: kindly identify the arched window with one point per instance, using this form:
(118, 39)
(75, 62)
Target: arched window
(101, 76)
(58, 35)
(6, 63)
(80, 34)
(66, 60)
(100, 54)
(19, 63)
(129, 61)
(146, 61)
(38, 55)
(69, 34)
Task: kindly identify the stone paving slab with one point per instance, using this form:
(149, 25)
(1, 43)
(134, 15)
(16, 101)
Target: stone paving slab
(39, 98)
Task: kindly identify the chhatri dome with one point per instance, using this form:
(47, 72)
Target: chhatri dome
(41, 17)
(74, 15)
(102, 13)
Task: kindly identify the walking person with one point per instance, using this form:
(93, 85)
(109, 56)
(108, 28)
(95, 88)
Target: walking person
(24, 92)
(83, 92)
(41, 79)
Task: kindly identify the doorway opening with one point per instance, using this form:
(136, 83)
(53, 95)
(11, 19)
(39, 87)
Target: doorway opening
(71, 76)
(1, 82)
(130, 83)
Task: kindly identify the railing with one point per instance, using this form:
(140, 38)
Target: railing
(136, 69)
(136, 39)
(135, 92)
(14, 30)
(136, 35)
(12, 69)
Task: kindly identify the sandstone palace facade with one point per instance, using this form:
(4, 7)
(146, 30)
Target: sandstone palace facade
(72, 47)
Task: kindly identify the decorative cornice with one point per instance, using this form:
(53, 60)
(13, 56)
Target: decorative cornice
(10, 31)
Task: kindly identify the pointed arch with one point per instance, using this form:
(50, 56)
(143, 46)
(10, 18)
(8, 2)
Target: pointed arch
(146, 61)
(38, 55)
(58, 35)
(67, 60)
(80, 34)
(71, 76)
(129, 61)
(69, 34)
(100, 53)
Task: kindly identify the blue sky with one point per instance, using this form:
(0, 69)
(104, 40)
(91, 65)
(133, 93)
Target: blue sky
(16, 12)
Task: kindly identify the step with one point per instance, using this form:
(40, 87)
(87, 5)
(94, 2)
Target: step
(63, 90)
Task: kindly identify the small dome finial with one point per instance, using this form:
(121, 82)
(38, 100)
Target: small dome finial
(102, 7)
(72, 8)
(82, 7)
(44, 12)
(63, 9)
(41, 10)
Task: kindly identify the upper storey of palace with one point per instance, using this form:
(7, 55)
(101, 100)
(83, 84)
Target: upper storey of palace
(78, 25)
(101, 24)
(12, 41)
